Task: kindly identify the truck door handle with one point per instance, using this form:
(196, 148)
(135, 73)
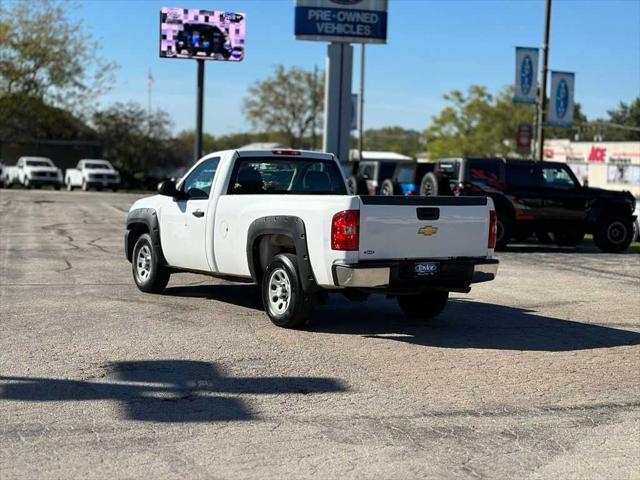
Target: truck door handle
(198, 213)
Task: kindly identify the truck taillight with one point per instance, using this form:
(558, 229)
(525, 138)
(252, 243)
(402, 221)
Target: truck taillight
(493, 229)
(345, 228)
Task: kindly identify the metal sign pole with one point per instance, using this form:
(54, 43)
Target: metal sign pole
(199, 109)
(337, 106)
(542, 105)
(361, 109)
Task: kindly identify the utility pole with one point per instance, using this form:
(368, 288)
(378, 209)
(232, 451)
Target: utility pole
(314, 100)
(149, 85)
(361, 109)
(199, 109)
(542, 97)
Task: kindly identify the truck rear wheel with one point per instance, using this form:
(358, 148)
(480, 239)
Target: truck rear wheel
(148, 273)
(388, 188)
(424, 306)
(505, 228)
(613, 234)
(286, 304)
(429, 185)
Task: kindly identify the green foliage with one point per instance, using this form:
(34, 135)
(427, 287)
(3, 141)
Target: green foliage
(627, 115)
(46, 55)
(392, 139)
(289, 103)
(476, 124)
(135, 141)
(26, 118)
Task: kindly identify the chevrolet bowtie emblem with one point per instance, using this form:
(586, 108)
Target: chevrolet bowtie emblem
(428, 230)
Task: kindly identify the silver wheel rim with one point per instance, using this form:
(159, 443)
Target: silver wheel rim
(143, 263)
(279, 291)
(616, 232)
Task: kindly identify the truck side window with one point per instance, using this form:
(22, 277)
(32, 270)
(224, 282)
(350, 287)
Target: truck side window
(198, 183)
(524, 176)
(558, 178)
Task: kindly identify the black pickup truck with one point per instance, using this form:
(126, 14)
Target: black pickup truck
(540, 197)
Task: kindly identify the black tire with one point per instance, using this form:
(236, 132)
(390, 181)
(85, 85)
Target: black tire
(636, 231)
(57, 187)
(568, 238)
(613, 234)
(282, 273)
(388, 188)
(114, 189)
(357, 185)
(27, 184)
(85, 187)
(429, 185)
(505, 229)
(424, 306)
(157, 276)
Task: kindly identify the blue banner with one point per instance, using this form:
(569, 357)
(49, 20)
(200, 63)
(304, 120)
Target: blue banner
(335, 24)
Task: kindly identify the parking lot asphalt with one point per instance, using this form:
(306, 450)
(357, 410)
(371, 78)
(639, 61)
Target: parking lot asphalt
(534, 375)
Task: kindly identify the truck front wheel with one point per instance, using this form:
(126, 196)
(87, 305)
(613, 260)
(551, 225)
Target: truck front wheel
(424, 306)
(148, 273)
(284, 300)
(613, 234)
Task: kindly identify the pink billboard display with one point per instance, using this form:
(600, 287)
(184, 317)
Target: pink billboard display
(202, 34)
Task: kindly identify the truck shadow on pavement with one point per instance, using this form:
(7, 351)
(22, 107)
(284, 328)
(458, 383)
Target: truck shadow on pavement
(166, 390)
(463, 324)
(243, 295)
(467, 324)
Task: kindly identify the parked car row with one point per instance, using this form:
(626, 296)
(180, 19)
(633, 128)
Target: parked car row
(36, 172)
(545, 199)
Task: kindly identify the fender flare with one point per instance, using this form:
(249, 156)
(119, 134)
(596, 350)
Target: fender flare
(288, 226)
(149, 218)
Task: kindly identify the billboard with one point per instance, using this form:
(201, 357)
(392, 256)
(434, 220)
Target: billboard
(349, 21)
(202, 34)
(526, 75)
(560, 107)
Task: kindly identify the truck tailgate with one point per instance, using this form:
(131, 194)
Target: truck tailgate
(423, 227)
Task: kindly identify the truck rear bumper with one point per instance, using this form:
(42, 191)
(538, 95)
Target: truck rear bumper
(455, 274)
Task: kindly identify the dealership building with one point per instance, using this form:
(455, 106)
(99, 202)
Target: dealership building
(610, 165)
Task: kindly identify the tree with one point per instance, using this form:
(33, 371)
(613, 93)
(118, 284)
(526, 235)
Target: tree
(627, 115)
(137, 142)
(46, 55)
(27, 118)
(481, 124)
(393, 139)
(289, 102)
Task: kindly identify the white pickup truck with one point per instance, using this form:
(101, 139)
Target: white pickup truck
(92, 173)
(283, 219)
(33, 172)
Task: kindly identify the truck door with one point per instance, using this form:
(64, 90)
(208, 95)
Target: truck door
(183, 223)
(564, 199)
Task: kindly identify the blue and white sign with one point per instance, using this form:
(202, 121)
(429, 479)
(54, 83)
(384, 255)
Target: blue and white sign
(561, 106)
(526, 75)
(349, 21)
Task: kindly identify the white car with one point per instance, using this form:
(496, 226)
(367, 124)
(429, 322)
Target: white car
(284, 220)
(33, 172)
(92, 173)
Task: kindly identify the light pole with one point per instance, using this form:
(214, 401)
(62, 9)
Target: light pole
(542, 97)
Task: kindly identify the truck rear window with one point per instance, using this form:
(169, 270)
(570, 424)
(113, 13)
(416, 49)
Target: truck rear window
(299, 176)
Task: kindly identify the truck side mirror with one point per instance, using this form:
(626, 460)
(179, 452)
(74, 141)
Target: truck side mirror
(168, 189)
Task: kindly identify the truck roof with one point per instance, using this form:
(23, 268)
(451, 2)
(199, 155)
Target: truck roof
(285, 153)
